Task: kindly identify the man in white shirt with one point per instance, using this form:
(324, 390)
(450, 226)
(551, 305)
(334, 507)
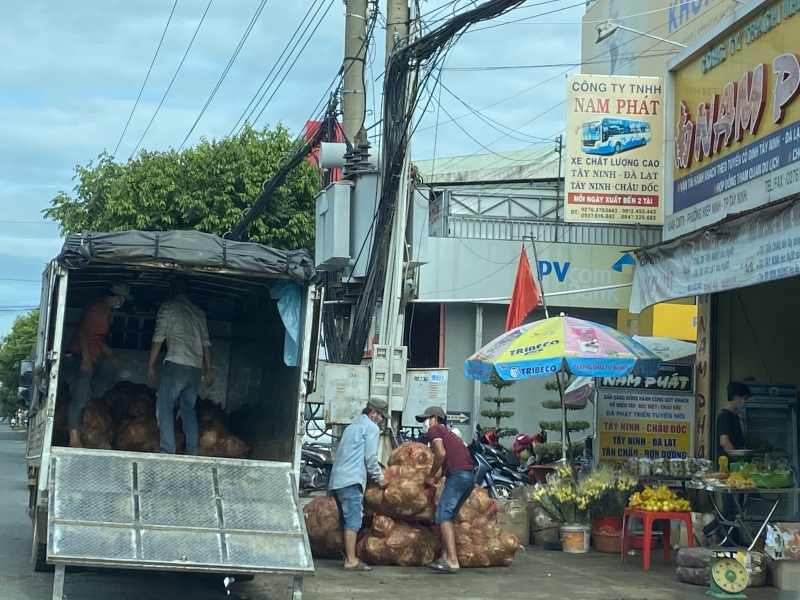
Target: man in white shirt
(182, 324)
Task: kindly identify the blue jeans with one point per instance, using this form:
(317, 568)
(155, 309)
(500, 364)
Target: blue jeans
(80, 388)
(457, 488)
(178, 383)
(350, 502)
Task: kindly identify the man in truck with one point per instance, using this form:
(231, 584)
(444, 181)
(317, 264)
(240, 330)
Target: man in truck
(357, 455)
(89, 344)
(182, 324)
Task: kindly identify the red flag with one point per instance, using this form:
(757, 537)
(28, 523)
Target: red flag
(525, 296)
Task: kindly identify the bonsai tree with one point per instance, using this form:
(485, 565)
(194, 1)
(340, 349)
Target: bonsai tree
(498, 414)
(554, 449)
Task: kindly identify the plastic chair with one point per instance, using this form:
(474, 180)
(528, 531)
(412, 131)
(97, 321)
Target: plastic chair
(648, 518)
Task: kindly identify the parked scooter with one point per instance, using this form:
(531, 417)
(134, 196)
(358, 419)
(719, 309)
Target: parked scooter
(497, 482)
(315, 468)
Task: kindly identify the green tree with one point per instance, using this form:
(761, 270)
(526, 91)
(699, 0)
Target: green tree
(206, 187)
(14, 349)
(552, 451)
(498, 414)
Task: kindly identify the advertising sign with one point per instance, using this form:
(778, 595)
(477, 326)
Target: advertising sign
(485, 269)
(736, 123)
(614, 147)
(703, 362)
(759, 247)
(630, 53)
(647, 417)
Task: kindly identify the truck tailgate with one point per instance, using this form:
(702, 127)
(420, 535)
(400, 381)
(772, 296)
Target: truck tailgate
(160, 511)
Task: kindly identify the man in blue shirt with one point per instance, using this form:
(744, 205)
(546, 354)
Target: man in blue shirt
(357, 455)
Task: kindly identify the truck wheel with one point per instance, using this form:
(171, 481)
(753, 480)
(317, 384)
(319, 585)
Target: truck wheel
(40, 558)
(39, 550)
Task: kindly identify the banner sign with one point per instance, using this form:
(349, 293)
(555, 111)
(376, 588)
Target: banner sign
(644, 424)
(759, 247)
(614, 146)
(737, 122)
(670, 378)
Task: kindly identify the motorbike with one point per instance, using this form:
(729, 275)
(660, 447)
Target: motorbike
(315, 468)
(498, 482)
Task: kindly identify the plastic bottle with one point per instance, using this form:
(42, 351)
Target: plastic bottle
(723, 465)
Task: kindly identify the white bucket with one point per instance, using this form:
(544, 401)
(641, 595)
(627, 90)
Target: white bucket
(575, 538)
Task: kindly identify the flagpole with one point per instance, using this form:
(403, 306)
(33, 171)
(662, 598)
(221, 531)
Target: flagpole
(538, 273)
(564, 433)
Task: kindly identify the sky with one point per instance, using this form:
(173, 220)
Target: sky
(72, 73)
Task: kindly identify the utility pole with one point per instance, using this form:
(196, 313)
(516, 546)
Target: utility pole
(397, 23)
(354, 97)
(560, 151)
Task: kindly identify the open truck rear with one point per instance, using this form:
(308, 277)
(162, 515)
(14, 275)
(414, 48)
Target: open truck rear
(109, 508)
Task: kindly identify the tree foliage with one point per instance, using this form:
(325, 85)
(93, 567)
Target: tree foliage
(14, 349)
(499, 384)
(206, 187)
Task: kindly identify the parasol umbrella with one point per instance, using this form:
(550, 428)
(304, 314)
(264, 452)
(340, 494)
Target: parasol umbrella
(561, 345)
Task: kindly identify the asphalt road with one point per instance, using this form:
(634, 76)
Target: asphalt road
(18, 581)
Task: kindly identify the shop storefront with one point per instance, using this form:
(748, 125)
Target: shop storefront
(732, 222)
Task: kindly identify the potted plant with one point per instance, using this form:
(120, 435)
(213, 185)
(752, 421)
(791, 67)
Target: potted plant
(567, 501)
(608, 494)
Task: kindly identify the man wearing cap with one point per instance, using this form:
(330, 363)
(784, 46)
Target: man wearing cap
(182, 324)
(89, 343)
(357, 455)
(452, 456)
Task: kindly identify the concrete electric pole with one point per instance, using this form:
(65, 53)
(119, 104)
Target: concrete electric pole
(397, 22)
(354, 98)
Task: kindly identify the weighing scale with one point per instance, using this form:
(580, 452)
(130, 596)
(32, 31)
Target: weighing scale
(728, 577)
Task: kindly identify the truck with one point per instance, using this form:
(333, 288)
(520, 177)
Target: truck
(139, 510)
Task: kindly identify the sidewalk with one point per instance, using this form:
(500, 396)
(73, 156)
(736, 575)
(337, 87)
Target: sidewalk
(536, 573)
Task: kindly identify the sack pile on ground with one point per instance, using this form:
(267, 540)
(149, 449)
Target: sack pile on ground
(402, 531)
(125, 419)
(390, 542)
(482, 543)
(322, 525)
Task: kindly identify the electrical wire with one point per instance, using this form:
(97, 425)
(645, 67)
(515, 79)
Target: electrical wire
(225, 71)
(146, 77)
(271, 77)
(169, 87)
(403, 67)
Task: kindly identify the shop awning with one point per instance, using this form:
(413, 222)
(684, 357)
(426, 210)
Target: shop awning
(741, 250)
(668, 349)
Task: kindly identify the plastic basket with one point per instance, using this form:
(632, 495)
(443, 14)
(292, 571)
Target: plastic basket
(610, 543)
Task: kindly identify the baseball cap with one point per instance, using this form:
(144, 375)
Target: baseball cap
(431, 411)
(121, 289)
(381, 406)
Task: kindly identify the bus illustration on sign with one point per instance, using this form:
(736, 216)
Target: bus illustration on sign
(612, 136)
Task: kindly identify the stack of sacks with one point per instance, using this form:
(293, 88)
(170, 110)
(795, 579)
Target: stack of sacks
(390, 542)
(403, 513)
(125, 419)
(322, 525)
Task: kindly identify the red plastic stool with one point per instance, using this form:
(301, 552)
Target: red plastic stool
(648, 517)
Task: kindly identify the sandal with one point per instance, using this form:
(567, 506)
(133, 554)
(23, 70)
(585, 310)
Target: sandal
(441, 566)
(360, 567)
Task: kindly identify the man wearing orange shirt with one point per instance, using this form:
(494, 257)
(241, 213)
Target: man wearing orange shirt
(88, 345)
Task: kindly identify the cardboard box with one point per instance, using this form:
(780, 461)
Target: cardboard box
(513, 517)
(785, 574)
(783, 541)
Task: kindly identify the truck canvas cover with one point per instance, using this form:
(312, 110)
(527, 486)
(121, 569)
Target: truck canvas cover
(158, 511)
(192, 249)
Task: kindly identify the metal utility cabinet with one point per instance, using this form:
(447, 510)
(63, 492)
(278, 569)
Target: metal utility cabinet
(108, 508)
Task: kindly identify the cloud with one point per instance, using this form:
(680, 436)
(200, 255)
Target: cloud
(72, 71)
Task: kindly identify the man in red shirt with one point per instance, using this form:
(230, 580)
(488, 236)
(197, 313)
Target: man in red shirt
(88, 345)
(452, 456)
